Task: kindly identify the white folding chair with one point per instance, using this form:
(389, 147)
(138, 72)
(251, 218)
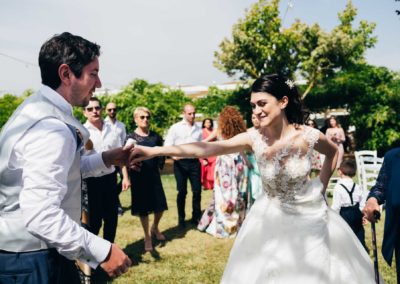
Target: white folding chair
(368, 166)
(364, 157)
(369, 175)
(331, 185)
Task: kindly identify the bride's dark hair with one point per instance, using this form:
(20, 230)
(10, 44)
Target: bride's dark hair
(280, 86)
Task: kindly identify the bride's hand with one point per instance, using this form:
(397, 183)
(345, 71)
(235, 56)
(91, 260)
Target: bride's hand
(138, 154)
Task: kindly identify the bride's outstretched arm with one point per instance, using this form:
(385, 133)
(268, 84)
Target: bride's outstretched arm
(193, 150)
(330, 150)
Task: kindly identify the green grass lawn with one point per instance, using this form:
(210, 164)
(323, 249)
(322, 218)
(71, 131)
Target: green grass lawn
(188, 256)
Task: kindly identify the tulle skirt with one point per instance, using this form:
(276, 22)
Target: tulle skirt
(299, 242)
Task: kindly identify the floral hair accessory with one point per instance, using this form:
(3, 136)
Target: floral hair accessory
(290, 83)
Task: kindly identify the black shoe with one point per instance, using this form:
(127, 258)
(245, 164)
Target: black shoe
(195, 221)
(120, 211)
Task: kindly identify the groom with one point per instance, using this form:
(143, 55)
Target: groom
(387, 189)
(40, 173)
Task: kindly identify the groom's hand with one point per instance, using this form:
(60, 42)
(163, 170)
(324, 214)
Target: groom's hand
(117, 156)
(116, 263)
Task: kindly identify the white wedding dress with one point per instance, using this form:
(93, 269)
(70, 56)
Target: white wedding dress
(290, 234)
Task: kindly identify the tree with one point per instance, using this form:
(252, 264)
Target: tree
(217, 99)
(212, 104)
(8, 104)
(164, 103)
(260, 45)
(372, 97)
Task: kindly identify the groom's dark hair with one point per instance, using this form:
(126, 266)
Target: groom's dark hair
(65, 48)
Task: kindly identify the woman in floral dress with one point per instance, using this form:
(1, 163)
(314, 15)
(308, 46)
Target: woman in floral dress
(225, 214)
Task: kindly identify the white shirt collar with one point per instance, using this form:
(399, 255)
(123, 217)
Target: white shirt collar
(184, 121)
(56, 98)
(107, 119)
(89, 125)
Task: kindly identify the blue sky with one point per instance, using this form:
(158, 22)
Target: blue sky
(172, 41)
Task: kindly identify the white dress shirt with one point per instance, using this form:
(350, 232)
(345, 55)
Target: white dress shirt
(182, 132)
(103, 140)
(45, 154)
(118, 127)
(342, 199)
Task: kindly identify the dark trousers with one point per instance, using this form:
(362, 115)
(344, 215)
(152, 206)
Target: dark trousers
(353, 216)
(185, 169)
(119, 185)
(103, 205)
(43, 266)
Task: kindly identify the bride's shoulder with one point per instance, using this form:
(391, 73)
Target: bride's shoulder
(253, 133)
(309, 134)
(307, 130)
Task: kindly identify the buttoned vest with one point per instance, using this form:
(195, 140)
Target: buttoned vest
(14, 236)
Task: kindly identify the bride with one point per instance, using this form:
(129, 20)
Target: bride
(290, 235)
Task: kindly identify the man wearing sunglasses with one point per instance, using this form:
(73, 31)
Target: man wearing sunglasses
(111, 118)
(41, 169)
(119, 128)
(102, 187)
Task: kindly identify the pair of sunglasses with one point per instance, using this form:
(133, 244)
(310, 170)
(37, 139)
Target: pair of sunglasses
(90, 109)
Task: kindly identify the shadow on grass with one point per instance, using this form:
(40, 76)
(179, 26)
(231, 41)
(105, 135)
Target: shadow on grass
(135, 250)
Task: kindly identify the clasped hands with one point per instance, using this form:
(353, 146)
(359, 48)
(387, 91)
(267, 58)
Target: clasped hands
(117, 262)
(121, 156)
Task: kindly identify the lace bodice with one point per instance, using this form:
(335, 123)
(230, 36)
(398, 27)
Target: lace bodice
(284, 167)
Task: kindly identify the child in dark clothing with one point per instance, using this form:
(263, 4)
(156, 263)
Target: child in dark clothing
(349, 199)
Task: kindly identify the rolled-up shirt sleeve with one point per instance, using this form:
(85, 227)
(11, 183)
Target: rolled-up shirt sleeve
(46, 153)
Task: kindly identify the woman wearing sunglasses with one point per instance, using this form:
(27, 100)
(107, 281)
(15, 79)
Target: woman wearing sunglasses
(146, 189)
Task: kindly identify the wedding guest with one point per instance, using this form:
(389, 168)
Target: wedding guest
(118, 127)
(225, 213)
(349, 199)
(147, 193)
(102, 187)
(207, 164)
(254, 185)
(186, 131)
(336, 134)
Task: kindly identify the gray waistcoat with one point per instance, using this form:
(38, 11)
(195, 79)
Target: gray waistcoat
(14, 236)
